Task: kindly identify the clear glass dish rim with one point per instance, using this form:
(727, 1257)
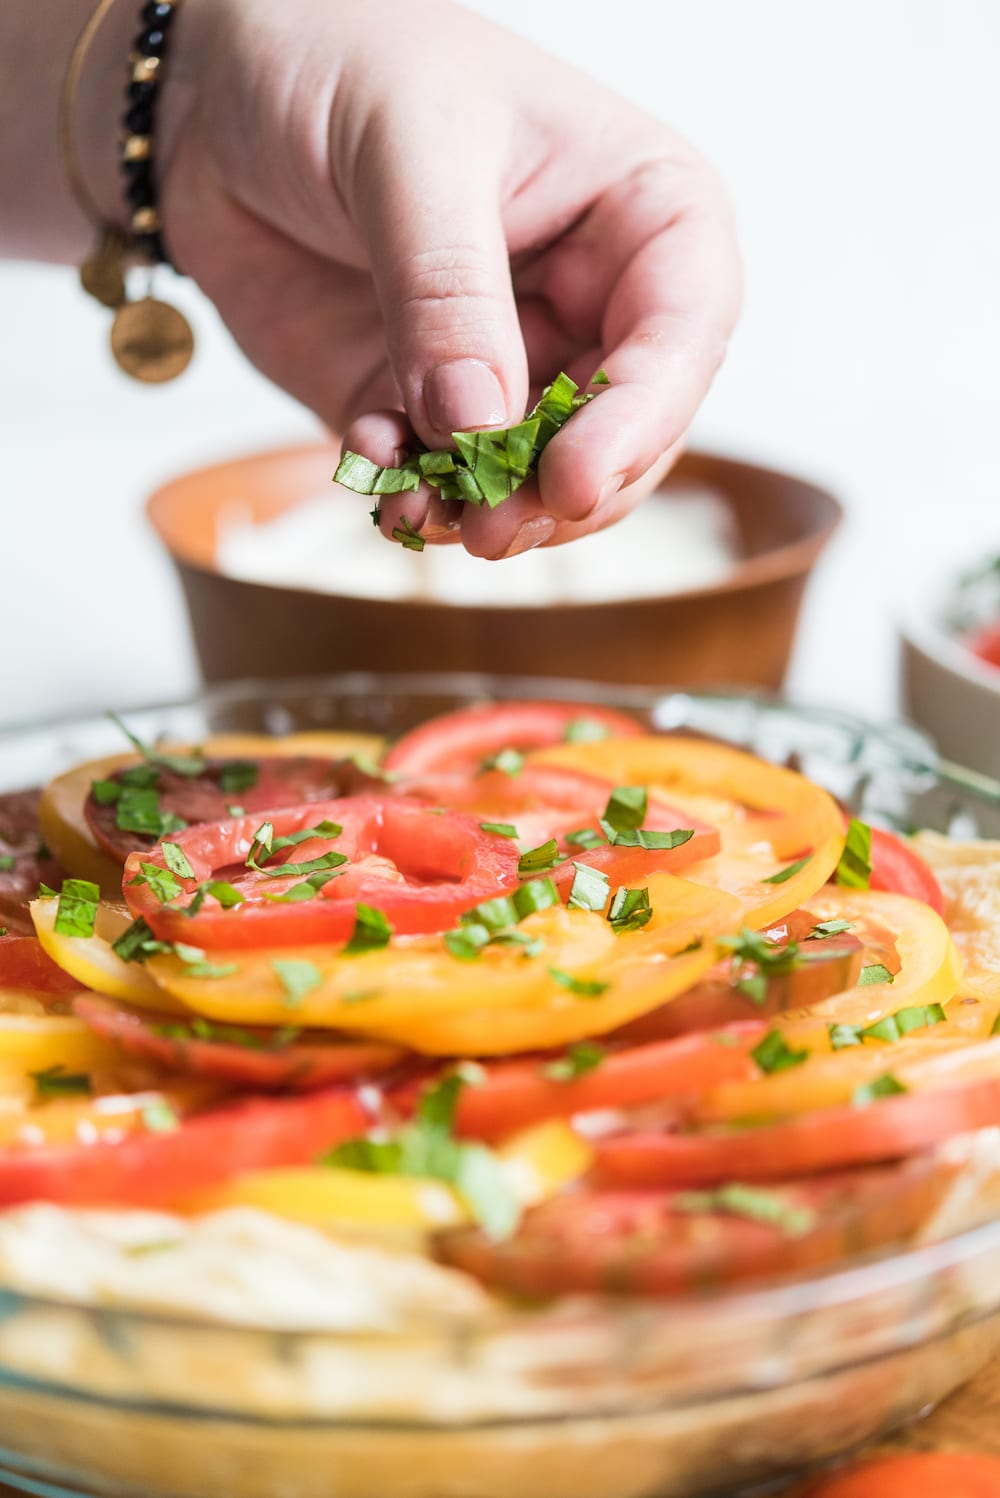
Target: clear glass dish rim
(766, 1302)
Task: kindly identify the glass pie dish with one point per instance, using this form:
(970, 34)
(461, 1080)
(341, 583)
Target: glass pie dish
(585, 1398)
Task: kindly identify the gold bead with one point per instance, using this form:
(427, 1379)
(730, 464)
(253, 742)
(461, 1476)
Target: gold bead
(144, 68)
(145, 221)
(136, 148)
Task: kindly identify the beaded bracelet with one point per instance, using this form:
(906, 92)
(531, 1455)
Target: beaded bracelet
(150, 340)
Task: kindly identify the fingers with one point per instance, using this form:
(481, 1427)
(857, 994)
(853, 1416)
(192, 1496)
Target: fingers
(430, 218)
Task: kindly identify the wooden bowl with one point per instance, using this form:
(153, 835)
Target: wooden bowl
(738, 632)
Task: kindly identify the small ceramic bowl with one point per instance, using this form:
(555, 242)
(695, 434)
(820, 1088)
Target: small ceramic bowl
(735, 632)
(951, 693)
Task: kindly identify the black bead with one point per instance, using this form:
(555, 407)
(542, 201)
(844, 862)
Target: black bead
(139, 119)
(135, 168)
(156, 13)
(138, 90)
(141, 192)
(150, 43)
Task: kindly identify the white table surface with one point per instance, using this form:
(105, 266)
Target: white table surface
(860, 144)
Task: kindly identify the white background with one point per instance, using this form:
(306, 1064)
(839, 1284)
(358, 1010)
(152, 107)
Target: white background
(860, 140)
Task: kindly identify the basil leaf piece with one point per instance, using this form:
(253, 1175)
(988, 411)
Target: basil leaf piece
(7, 863)
(405, 534)
(875, 972)
(371, 931)
(239, 775)
(206, 969)
(586, 838)
(774, 1054)
(870, 1092)
(854, 870)
(890, 1028)
(160, 1118)
(138, 810)
(105, 792)
(163, 884)
(297, 978)
(137, 942)
(500, 829)
(467, 942)
(600, 378)
(630, 909)
(626, 808)
(753, 1202)
(585, 731)
(189, 765)
(590, 889)
(828, 928)
(365, 477)
(266, 845)
(77, 912)
(307, 890)
(536, 859)
(783, 874)
(583, 988)
(536, 894)
(56, 1081)
(510, 761)
(176, 860)
(582, 1057)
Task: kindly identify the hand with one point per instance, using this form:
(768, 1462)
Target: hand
(412, 220)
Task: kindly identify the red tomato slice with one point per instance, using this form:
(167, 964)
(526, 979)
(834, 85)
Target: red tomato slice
(421, 868)
(514, 1094)
(923, 1474)
(642, 1242)
(899, 870)
(273, 782)
(546, 801)
(157, 1168)
(261, 1060)
(828, 1139)
(462, 740)
(26, 968)
(986, 644)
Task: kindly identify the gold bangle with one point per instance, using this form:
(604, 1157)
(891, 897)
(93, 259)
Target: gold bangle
(150, 340)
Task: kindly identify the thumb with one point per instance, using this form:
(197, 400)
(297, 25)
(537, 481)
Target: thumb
(429, 213)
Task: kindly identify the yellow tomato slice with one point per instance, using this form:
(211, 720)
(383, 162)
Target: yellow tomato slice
(33, 1043)
(537, 1163)
(93, 963)
(768, 817)
(64, 826)
(586, 980)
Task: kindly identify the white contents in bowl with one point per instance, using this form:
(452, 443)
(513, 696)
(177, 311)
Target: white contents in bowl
(674, 542)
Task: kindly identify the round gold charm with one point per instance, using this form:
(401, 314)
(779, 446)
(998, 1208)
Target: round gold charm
(151, 341)
(102, 278)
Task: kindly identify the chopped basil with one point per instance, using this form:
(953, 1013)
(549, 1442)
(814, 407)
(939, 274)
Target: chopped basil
(647, 837)
(755, 959)
(163, 884)
(374, 514)
(138, 810)
(586, 838)
(176, 859)
(208, 969)
(142, 776)
(774, 1054)
(510, 761)
(626, 808)
(536, 859)
(589, 890)
(869, 1092)
(239, 775)
(371, 931)
(753, 1202)
(365, 477)
(874, 972)
(855, 867)
(630, 909)
(307, 890)
(585, 731)
(137, 942)
(7, 862)
(77, 912)
(823, 929)
(787, 873)
(536, 894)
(159, 1117)
(266, 845)
(583, 1057)
(405, 534)
(188, 765)
(467, 942)
(297, 978)
(494, 921)
(891, 1028)
(56, 1081)
(600, 378)
(236, 811)
(105, 792)
(583, 988)
(501, 829)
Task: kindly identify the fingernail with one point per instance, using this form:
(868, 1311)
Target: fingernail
(436, 530)
(610, 489)
(463, 395)
(532, 533)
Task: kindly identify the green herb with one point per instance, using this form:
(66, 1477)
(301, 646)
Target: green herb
(163, 884)
(467, 942)
(787, 873)
(297, 978)
(583, 988)
(626, 808)
(78, 903)
(307, 890)
(139, 811)
(891, 1028)
(56, 1081)
(159, 1117)
(774, 1054)
(869, 1092)
(600, 378)
(509, 761)
(371, 931)
(203, 969)
(828, 928)
(45, 892)
(176, 859)
(589, 890)
(585, 731)
(239, 775)
(875, 972)
(581, 1058)
(405, 534)
(427, 1148)
(105, 792)
(855, 867)
(137, 942)
(7, 862)
(647, 837)
(501, 829)
(366, 477)
(141, 776)
(266, 845)
(586, 838)
(375, 514)
(755, 959)
(630, 909)
(235, 811)
(188, 765)
(751, 1202)
(536, 859)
